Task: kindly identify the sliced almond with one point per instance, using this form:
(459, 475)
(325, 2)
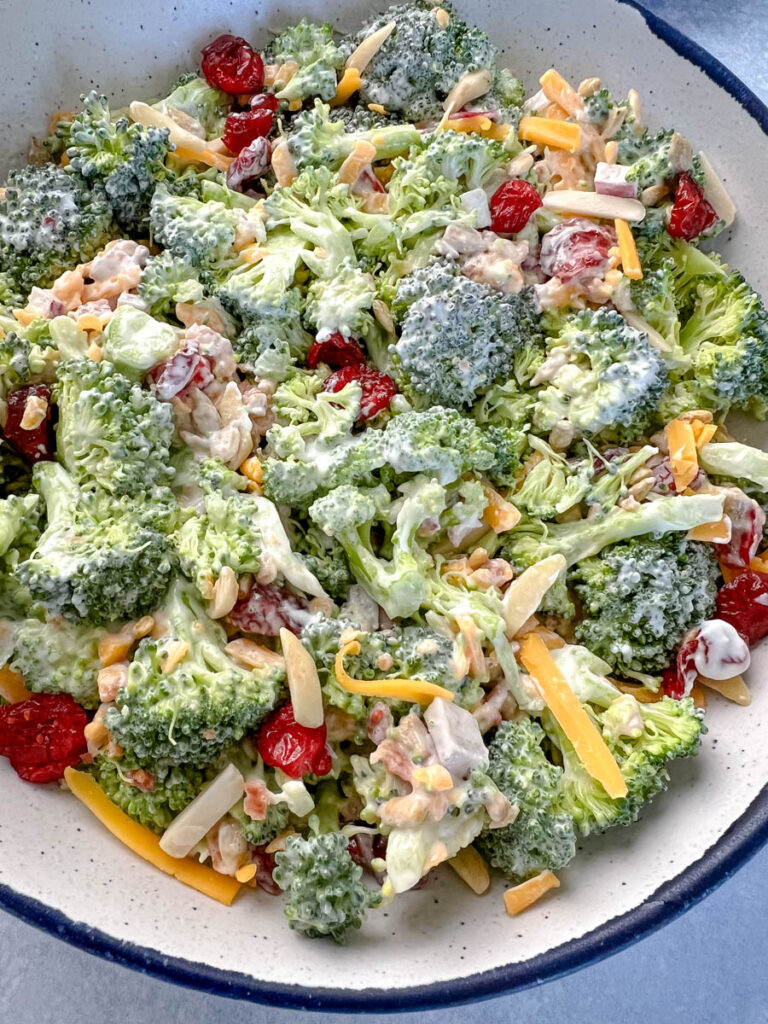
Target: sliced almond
(114, 647)
(303, 681)
(472, 869)
(592, 204)
(186, 830)
(635, 320)
(225, 593)
(362, 56)
(142, 113)
(734, 689)
(187, 123)
(470, 86)
(34, 412)
(524, 595)
(714, 191)
(249, 654)
(175, 652)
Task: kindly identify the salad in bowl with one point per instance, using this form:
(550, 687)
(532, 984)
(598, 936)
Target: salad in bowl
(369, 503)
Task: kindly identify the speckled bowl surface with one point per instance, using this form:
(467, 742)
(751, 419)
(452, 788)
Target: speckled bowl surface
(61, 870)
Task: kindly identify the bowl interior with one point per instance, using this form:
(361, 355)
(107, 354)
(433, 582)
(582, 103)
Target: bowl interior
(53, 851)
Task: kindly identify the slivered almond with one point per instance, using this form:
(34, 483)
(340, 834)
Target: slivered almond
(524, 595)
(35, 409)
(175, 652)
(442, 17)
(249, 654)
(189, 827)
(473, 649)
(734, 689)
(383, 315)
(472, 869)
(114, 647)
(225, 593)
(278, 843)
(110, 679)
(142, 113)
(714, 191)
(594, 204)
(303, 681)
(470, 86)
(143, 627)
(362, 56)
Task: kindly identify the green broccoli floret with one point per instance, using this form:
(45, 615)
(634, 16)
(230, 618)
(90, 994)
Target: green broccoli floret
(326, 894)
(25, 362)
(315, 140)
(89, 568)
(19, 532)
(532, 541)
(360, 119)
(324, 557)
(341, 304)
(261, 294)
(111, 434)
(421, 61)
(203, 233)
(402, 652)
(152, 793)
(312, 47)
(49, 221)
(652, 735)
(505, 405)
(457, 336)
(194, 97)
(260, 832)
(598, 106)
(134, 342)
(654, 297)
(649, 156)
(126, 158)
(15, 472)
(166, 280)
(349, 514)
(205, 702)
(272, 345)
(640, 597)
(605, 375)
(222, 533)
(58, 657)
(541, 838)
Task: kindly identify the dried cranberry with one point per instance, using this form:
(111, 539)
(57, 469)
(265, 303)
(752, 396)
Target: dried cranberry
(265, 866)
(364, 847)
(291, 747)
(230, 63)
(512, 205)
(43, 735)
(266, 608)
(672, 684)
(577, 248)
(186, 370)
(249, 165)
(744, 603)
(243, 127)
(336, 352)
(378, 388)
(747, 522)
(35, 444)
(691, 215)
(714, 650)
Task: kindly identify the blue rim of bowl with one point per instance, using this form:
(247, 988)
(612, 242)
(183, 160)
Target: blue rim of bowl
(741, 841)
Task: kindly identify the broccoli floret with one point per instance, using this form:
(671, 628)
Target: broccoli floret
(324, 557)
(349, 514)
(49, 221)
(457, 336)
(605, 375)
(270, 346)
(259, 832)
(111, 434)
(19, 532)
(152, 793)
(402, 652)
(422, 59)
(640, 597)
(221, 534)
(316, 140)
(262, 295)
(505, 405)
(15, 475)
(89, 568)
(654, 297)
(657, 733)
(134, 342)
(194, 97)
(166, 280)
(341, 304)
(126, 158)
(58, 657)
(649, 156)
(326, 894)
(312, 47)
(532, 541)
(359, 119)
(23, 361)
(541, 838)
(188, 713)
(203, 233)
(598, 106)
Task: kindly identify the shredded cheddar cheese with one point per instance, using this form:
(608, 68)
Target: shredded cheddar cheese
(545, 131)
(12, 686)
(558, 91)
(418, 691)
(520, 897)
(472, 869)
(349, 84)
(630, 261)
(683, 456)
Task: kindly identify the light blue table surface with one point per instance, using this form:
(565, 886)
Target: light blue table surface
(708, 966)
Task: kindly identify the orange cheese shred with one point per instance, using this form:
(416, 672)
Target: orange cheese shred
(712, 533)
(545, 131)
(146, 844)
(12, 687)
(683, 456)
(204, 156)
(558, 91)
(703, 432)
(418, 691)
(589, 745)
(349, 84)
(630, 261)
(520, 897)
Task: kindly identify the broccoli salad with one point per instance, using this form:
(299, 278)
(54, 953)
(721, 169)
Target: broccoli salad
(368, 499)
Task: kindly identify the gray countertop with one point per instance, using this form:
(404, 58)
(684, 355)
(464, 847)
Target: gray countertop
(708, 966)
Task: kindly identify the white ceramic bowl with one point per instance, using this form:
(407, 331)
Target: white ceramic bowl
(60, 869)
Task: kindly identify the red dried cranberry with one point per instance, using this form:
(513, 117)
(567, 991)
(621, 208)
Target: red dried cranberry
(291, 747)
(378, 388)
(43, 735)
(714, 650)
(265, 866)
(35, 444)
(747, 522)
(230, 63)
(266, 608)
(691, 215)
(186, 370)
(577, 248)
(336, 352)
(248, 166)
(744, 603)
(512, 205)
(672, 684)
(364, 847)
(243, 127)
